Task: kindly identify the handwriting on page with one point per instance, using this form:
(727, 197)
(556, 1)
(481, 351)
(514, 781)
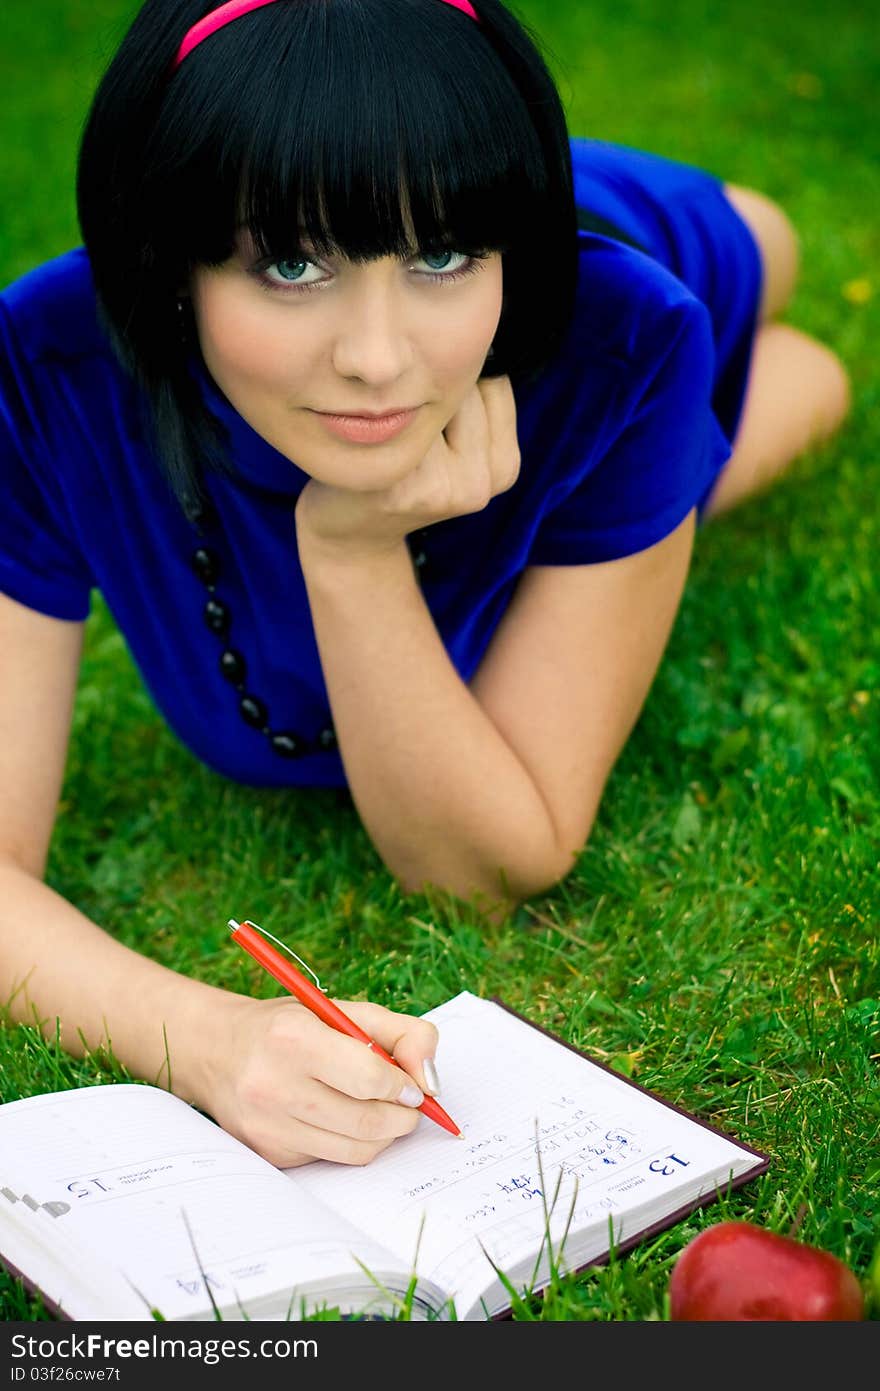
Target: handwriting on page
(490, 1179)
(517, 1170)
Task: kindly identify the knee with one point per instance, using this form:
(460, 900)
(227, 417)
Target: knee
(808, 372)
(778, 242)
(838, 389)
(767, 218)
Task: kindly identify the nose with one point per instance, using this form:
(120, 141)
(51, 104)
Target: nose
(373, 342)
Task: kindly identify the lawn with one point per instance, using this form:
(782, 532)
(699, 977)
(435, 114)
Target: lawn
(717, 939)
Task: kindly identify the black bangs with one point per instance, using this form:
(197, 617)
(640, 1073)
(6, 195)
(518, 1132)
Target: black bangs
(320, 129)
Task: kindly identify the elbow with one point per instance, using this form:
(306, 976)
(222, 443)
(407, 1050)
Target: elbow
(546, 857)
(24, 860)
(545, 877)
(492, 887)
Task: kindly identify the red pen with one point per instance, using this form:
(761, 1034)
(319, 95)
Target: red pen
(248, 936)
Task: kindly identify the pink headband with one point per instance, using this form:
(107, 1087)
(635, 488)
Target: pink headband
(234, 9)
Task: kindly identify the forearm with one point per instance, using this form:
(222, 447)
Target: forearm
(444, 798)
(60, 971)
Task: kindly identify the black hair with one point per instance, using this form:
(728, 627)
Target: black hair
(356, 122)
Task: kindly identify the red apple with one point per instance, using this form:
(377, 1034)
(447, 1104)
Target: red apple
(736, 1271)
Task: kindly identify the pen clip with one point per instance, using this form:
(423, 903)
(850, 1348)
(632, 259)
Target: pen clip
(284, 947)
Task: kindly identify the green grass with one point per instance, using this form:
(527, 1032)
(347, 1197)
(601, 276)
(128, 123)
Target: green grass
(718, 936)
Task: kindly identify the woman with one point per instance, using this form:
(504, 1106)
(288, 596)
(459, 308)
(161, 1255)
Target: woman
(383, 416)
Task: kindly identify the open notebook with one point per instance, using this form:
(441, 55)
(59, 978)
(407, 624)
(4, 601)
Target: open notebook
(117, 1201)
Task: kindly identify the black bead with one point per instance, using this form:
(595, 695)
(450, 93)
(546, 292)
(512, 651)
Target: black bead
(199, 510)
(217, 617)
(327, 738)
(416, 543)
(206, 566)
(253, 711)
(233, 666)
(288, 745)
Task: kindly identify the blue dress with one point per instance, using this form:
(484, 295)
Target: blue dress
(621, 437)
(681, 216)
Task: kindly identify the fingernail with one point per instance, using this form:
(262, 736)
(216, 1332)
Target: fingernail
(411, 1096)
(431, 1077)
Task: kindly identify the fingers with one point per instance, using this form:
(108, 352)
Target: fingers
(484, 443)
(350, 1106)
(312, 1142)
(330, 1125)
(467, 433)
(469, 454)
(500, 407)
(357, 1071)
(302, 1090)
(367, 1133)
(453, 478)
(411, 1041)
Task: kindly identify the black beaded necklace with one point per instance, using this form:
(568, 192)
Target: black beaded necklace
(286, 743)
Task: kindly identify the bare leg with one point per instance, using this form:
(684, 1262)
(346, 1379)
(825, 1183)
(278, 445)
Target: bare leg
(799, 391)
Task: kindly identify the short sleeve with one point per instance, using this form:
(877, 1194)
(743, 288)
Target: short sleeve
(40, 563)
(660, 464)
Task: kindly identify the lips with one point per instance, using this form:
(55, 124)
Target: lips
(367, 429)
(369, 415)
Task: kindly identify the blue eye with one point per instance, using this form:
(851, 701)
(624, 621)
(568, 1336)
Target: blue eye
(445, 267)
(440, 261)
(290, 270)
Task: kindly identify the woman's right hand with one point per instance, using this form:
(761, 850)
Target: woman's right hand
(294, 1089)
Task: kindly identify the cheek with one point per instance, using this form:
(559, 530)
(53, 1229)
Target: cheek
(459, 344)
(238, 339)
(488, 312)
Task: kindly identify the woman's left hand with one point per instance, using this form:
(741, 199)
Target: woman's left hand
(475, 458)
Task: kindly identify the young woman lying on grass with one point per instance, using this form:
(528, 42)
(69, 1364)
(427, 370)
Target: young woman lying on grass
(383, 413)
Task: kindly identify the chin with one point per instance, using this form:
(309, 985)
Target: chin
(374, 470)
(365, 468)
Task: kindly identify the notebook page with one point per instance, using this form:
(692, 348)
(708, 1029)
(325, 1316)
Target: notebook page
(517, 1094)
(130, 1166)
